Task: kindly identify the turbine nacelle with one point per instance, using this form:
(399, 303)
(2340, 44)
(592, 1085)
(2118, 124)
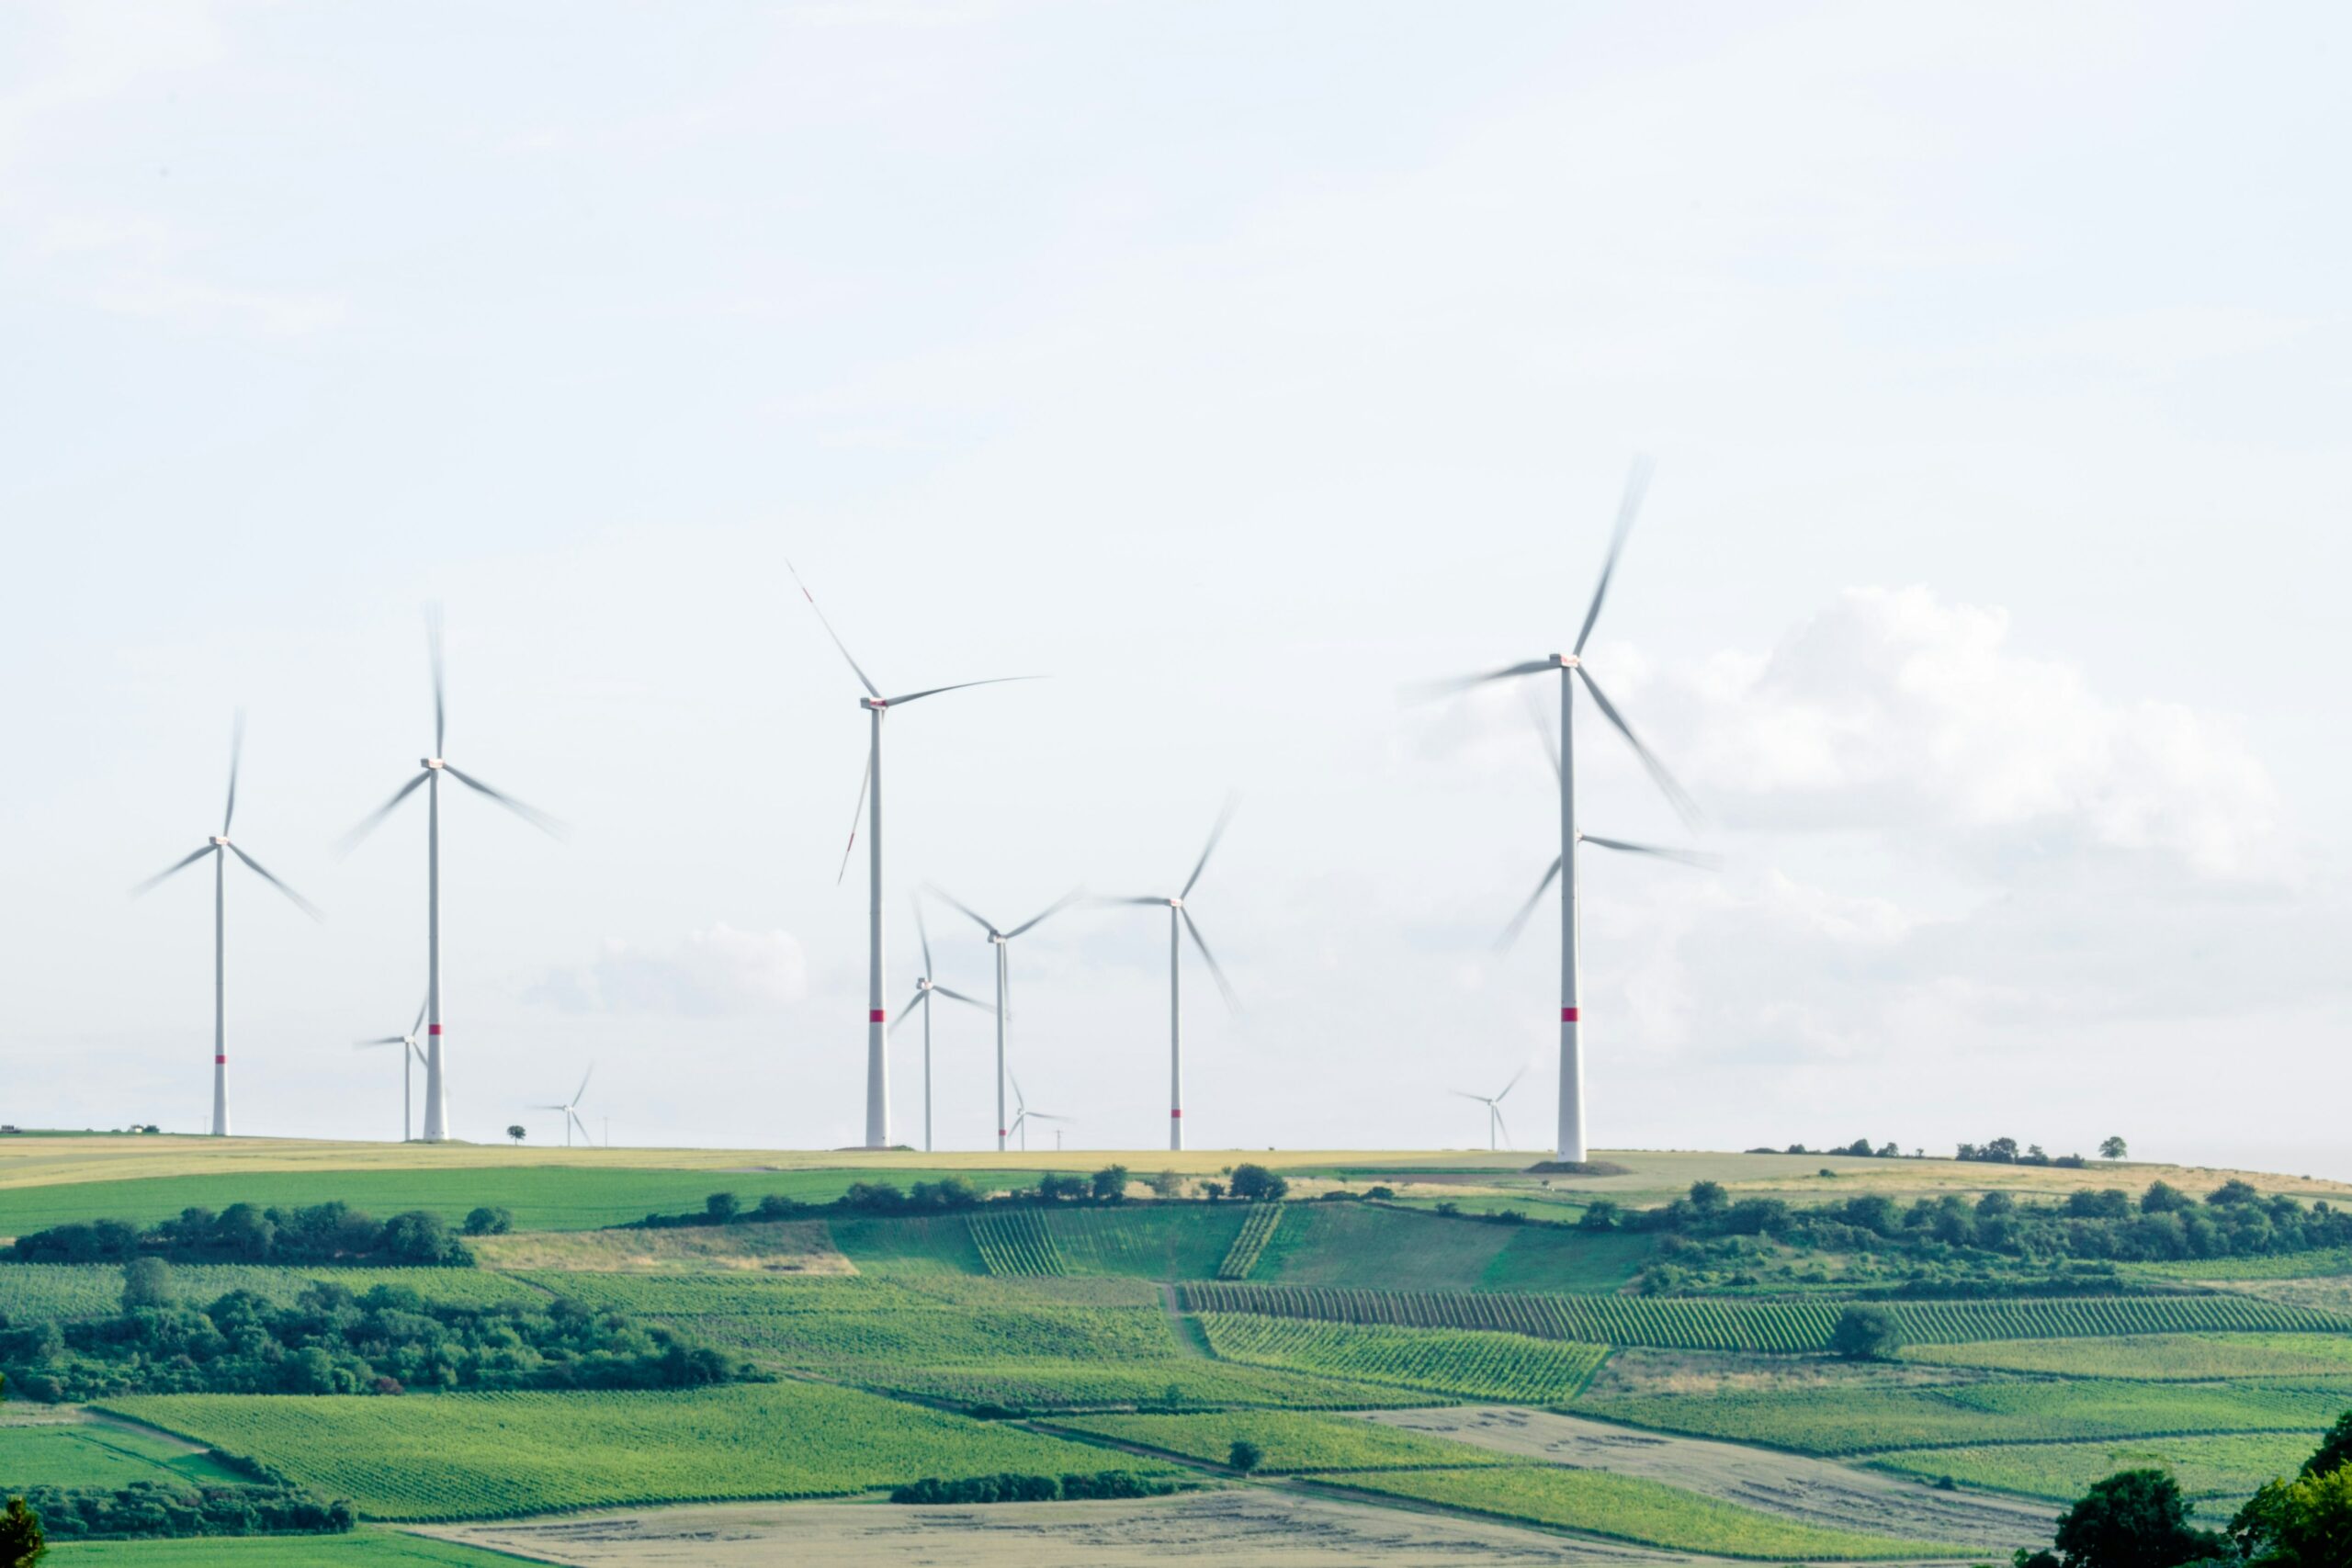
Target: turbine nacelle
(431, 764)
(219, 842)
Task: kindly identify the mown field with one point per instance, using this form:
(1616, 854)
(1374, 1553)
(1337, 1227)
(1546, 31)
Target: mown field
(45, 1446)
(361, 1548)
(485, 1456)
(2160, 1358)
(2224, 1468)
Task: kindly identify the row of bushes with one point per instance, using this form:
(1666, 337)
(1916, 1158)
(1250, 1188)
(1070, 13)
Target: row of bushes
(1012, 1488)
(244, 1233)
(954, 1194)
(153, 1509)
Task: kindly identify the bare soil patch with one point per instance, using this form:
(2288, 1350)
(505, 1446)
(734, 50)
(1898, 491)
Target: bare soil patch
(783, 1247)
(1633, 1369)
(1816, 1491)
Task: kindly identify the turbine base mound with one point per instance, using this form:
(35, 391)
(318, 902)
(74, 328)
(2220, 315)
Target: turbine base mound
(1576, 1167)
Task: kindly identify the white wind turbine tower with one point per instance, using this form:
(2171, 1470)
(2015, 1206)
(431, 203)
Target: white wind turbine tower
(1023, 1116)
(1180, 922)
(430, 768)
(1000, 940)
(1493, 1104)
(411, 1057)
(877, 1061)
(219, 847)
(926, 988)
(1571, 669)
(570, 1108)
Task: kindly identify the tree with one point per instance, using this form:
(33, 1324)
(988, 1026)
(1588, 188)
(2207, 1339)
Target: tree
(488, 1220)
(147, 1282)
(2136, 1518)
(1708, 1196)
(1111, 1183)
(1244, 1456)
(1256, 1184)
(1055, 1186)
(1212, 1190)
(1168, 1184)
(2335, 1449)
(1865, 1333)
(1600, 1215)
(21, 1545)
(2113, 1148)
(2303, 1523)
(721, 1207)
(514, 1130)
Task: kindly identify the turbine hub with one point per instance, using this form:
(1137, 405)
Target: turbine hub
(1175, 903)
(431, 764)
(1567, 661)
(876, 703)
(219, 842)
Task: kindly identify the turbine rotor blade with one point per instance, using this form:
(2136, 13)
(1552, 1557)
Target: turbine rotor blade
(1526, 910)
(1465, 1094)
(1454, 685)
(871, 689)
(386, 1040)
(236, 756)
(432, 652)
(420, 1018)
(1123, 903)
(1637, 483)
(299, 902)
(908, 1011)
(1685, 857)
(1216, 972)
(537, 818)
(977, 918)
(177, 865)
(1497, 1111)
(855, 816)
(1541, 717)
(581, 1092)
(957, 995)
(368, 824)
(1675, 796)
(960, 685)
(922, 935)
(1056, 907)
(1224, 818)
(1511, 1086)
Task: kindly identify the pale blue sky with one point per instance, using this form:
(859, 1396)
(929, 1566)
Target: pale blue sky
(1235, 365)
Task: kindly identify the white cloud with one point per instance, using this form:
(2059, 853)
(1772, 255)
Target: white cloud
(713, 973)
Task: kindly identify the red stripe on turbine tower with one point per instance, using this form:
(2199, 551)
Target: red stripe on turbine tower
(434, 1029)
(1174, 1112)
(220, 1061)
(875, 1016)
(1568, 1015)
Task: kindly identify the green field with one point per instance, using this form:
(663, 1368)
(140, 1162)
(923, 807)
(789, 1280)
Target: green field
(1181, 1382)
(33, 1291)
(2229, 1467)
(64, 1448)
(1848, 1420)
(1016, 1242)
(2165, 1357)
(485, 1456)
(361, 1548)
(1508, 1367)
(1291, 1441)
(1632, 1509)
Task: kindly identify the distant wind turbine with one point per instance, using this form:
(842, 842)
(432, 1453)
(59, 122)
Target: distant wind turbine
(1023, 1116)
(570, 1108)
(1000, 940)
(1493, 1104)
(410, 1058)
(437, 1083)
(1571, 668)
(1180, 923)
(219, 847)
(926, 988)
(877, 1060)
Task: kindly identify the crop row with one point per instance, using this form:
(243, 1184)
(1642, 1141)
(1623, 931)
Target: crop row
(1250, 1241)
(1173, 1382)
(1016, 1242)
(476, 1456)
(944, 1336)
(1678, 1324)
(2157, 1358)
(1468, 1363)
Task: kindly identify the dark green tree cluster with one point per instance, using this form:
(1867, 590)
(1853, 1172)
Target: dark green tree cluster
(151, 1508)
(244, 1233)
(1012, 1488)
(330, 1341)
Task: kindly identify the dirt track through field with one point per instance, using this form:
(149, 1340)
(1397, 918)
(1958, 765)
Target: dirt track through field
(1236, 1528)
(1814, 1491)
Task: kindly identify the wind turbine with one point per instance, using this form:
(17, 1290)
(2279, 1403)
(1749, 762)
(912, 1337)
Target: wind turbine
(1024, 1116)
(410, 1058)
(1493, 1104)
(219, 847)
(1179, 921)
(570, 1108)
(1000, 939)
(430, 768)
(1571, 669)
(926, 988)
(877, 1061)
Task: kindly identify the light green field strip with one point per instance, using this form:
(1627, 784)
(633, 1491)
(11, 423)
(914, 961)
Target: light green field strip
(1291, 1441)
(2169, 1358)
(31, 1293)
(1016, 1242)
(1044, 1387)
(486, 1456)
(1631, 1508)
(2312, 1265)
(1147, 1241)
(1862, 1419)
(2228, 1467)
(1257, 1229)
(360, 1549)
(1471, 1365)
(1741, 1325)
(73, 1450)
